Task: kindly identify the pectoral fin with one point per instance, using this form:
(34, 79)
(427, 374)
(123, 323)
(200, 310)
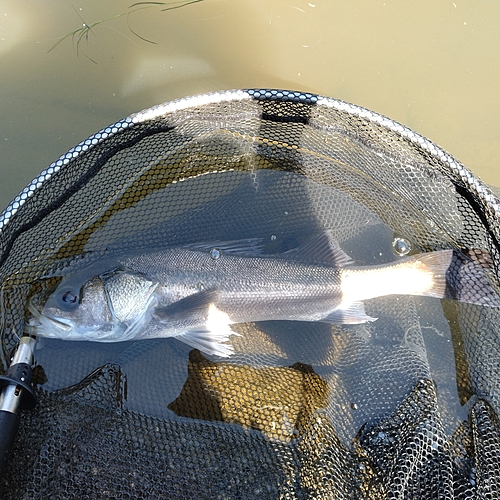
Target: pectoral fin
(195, 305)
(200, 323)
(209, 341)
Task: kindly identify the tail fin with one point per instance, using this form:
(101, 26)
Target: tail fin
(466, 280)
(460, 275)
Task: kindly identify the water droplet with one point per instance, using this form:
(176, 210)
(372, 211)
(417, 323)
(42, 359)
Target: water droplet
(273, 237)
(401, 246)
(215, 253)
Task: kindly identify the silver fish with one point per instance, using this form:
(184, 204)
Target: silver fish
(194, 293)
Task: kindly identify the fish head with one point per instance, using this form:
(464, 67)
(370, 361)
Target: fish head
(110, 307)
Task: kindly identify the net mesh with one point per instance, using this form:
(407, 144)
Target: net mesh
(404, 407)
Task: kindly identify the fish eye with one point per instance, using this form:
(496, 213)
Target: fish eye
(68, 299)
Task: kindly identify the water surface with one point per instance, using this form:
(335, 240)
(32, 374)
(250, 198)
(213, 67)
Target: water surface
(433, 66)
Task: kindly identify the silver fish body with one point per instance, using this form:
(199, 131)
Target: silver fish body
(196, 292)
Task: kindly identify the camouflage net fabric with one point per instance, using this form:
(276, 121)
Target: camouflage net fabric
(404, 407)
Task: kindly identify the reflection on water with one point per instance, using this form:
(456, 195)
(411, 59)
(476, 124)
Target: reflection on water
(432, 66)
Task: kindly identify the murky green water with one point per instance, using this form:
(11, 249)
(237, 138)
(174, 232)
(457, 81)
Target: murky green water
(433, 66)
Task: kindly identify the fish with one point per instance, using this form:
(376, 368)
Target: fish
(194, 293)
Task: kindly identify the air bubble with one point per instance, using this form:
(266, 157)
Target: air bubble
(401, 246)
(215, 253)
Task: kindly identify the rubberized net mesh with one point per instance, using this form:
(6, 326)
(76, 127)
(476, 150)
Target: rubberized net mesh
(404, 407)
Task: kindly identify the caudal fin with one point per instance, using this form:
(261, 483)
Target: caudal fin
(460, 275)
(466, 280)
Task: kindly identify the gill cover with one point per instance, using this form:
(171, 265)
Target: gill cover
(128, 295)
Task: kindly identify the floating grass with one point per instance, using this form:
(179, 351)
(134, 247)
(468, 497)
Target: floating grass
(82, 34)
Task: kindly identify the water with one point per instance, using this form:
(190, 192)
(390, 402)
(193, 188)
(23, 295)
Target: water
(288, 209)
(433, 66)
(401, 246)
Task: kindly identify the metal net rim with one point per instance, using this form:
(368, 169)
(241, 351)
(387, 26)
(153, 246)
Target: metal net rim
(472, 183)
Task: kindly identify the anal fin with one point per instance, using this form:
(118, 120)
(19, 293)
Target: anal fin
(352, 315)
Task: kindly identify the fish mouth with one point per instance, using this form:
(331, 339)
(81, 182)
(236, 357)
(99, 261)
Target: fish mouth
(44, 325)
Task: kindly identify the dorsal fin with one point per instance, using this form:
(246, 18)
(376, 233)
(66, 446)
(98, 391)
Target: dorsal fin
(249, 247)
(323, 248)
